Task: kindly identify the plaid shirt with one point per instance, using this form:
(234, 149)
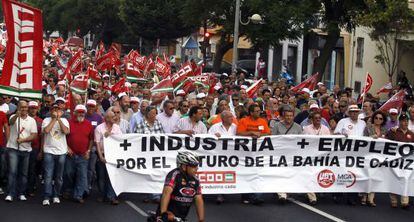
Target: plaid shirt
(144, 128)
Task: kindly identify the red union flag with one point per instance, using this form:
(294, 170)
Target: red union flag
(79, 84)
(309, 83)
(182, 74)
(254, 88)
(396, 101)
(368, 84)
(162, 68)
(22, 70)
(74, 64)
(133, 72)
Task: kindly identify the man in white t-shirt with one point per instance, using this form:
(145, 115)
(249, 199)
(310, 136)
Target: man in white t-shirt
(224, 128)
(350, 126)
(54, 130)
(23, 130)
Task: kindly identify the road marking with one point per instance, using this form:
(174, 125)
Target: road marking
(136, 208)
(315, 210)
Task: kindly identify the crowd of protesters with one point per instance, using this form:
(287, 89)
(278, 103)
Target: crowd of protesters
(52, 151)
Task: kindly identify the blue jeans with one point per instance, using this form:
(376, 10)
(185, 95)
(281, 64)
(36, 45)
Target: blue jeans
(75, 174)
(3, 166)
(104, 184)
(93, 157)
(33, 171)
(18, 170)
(53, 166)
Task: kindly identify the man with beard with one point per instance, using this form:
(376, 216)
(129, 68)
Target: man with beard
(80, 141)
(126, 112)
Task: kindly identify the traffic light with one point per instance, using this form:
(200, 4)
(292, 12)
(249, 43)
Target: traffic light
(207, 36)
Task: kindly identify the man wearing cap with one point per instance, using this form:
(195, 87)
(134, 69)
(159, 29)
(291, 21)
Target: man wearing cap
(139, 116)
(124, 103)
(134, 104)
(23, 131)
(313, 108)
(180, 93)
(401, 134)
(80, 141)
(54, 128)
(36, 149)
(350, 126)
(392, 122)
(201, 99)
(61, 103)
(95, 119)
(168, 118)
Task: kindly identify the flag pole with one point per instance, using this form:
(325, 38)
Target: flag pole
(363, 90)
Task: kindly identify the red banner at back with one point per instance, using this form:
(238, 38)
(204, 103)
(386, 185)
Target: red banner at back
(22, 70)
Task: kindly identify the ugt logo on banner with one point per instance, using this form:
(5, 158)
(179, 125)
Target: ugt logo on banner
(22, 71)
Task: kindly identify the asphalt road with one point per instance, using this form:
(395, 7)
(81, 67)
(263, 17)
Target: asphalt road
(132, 209)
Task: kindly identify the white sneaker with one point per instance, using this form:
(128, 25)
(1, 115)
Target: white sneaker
(22, 198)
(9, 198)
(56, 200)
(46, 202)
(1, 191)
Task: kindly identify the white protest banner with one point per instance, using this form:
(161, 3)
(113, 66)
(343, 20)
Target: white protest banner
(288, 163)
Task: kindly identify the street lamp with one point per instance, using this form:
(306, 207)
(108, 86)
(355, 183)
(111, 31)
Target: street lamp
(255, 18)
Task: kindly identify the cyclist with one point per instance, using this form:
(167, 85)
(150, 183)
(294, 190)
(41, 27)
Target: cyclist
(181, 188)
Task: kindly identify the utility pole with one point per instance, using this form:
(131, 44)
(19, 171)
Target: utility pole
(236, 36)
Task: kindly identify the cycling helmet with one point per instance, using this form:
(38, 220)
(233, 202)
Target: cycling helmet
(187, 158)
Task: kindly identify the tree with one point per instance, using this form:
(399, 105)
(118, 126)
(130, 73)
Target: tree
(336, 15)
(390, 21)
(284, 19)
(155, 19)
(99, 17)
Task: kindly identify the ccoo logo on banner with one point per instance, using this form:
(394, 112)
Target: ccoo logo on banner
(22, 70)
(288, 163)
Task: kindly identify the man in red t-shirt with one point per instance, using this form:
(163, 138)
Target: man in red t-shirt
(80, 141)
(4, 136)
(34, 159)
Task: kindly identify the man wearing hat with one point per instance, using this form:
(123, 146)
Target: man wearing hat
(23, 131)
(392, 121)
(61, 103)
(134, 104)
(34, 154)
(95, 119)
(80, 141)
(402, 134)
(54, 128)
(350, 126)
(304, 97)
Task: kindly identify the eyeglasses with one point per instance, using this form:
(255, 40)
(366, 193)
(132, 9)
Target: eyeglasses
(117, 112)
(184, 106)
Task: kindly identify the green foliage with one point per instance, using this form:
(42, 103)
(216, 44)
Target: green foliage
(100, 17)
(390, 21)
(155, 19)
